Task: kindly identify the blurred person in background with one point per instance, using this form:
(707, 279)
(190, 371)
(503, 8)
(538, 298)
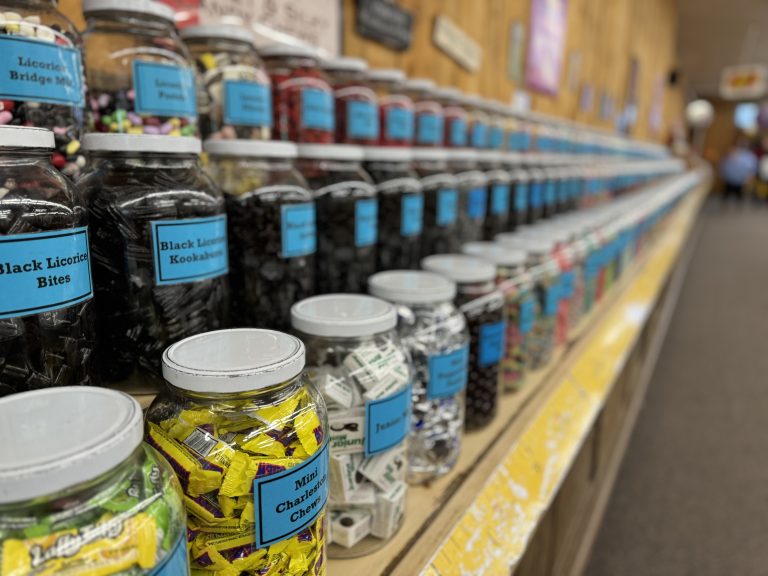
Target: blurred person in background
(738, 169)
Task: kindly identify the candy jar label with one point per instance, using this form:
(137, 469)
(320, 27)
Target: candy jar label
(189, 250)
(551, 299)
(366, 222)
(550, 191)
(458, 132)
(536, 195)
(362, 120)
(164, 89)
(411, 214)
(429, 130)
(562, 191)
(176, 563)
(566, 284)
(317, 109)
(479, 135)
(491, 343)
(287, 502)
(527, 315)
(247, 103)
(387, 421)
(299, 236)
(40, 71)
(447, 206)
(477, 203)
(448, 373)
(399, 124)
(496, 137)
(500, 199)
(521, 197)
(44, 271)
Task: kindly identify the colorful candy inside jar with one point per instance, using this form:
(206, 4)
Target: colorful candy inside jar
(357, 105)
(396, 112)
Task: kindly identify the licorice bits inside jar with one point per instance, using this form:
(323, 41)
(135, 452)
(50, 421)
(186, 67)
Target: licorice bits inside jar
(158, 234)
(46, 308)
(33, 33)
(233, 87)
(441, 201)
(357, 105)
(473, 193)
(427, 110)
(435, 334)
(247, 435)
(302, 99)
(271, 223)
(483, 307)
(396, 118)
(347, 216)
(81, 493)
(499, 193)
(455, 117)
(401, 206)
(140, 77)
(356, 360)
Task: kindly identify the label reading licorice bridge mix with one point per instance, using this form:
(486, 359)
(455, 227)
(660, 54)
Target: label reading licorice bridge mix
(189, 250)
(448, 373)
(491, 343)
(164, 89)
(366, 222)
(299, 237)
(447, 206)
(44, 271)
(411, 214)
(247, 103)
(387, 421)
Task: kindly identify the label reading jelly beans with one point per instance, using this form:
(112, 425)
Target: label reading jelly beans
(521, 197)
(164, 89)
(458, 133)
(299, 236)
(40, 71)
(362, 120)
(477, 203)
(491, 343)
(44, 271)
(247, 103)
(447, 206)
(500, 199)
(411, 214)
(496, 137)
(316, 109)
(176, 563)
(366, 222)
(399, 124)
(387, 421)
(287, 502)
(479, 135)
(189, 250)
(527, 315)
(429, 131)
(448, 373)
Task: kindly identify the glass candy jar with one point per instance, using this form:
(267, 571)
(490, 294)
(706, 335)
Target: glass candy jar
(427, 110)
(396, 118)
(477, 121)
(519, 184)
(357, 105)
(441, 201)
(473, 194)
(455, 117)
(499, 193)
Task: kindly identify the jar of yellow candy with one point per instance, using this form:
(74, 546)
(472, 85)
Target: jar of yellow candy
(247, 437)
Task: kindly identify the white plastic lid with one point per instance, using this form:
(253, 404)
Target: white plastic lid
(430, 154)
(388, 153)
(60, 437)
(411, 287)
(463, 154)
(386, 75)
(220, 30)
(448, 92)
(490, 156)
(231, 361)
(289, 50)
(494, 252)
(344, 152)
(25, 137)
(536, 245)
(460, 268)
(345, 63)
(343, 315)
(251, 148)
(149, 7)
(419, 84)
(98, 142)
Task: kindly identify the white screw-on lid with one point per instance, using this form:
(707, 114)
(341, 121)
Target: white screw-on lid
(26, 137)
(494, 252)
(460, 268)
(386, 75)
(343, 152)
(289, 50)
(251, 148)
(231, 361)
(430, 154)
(60, 437)
(490, 156)
(388, 154)
(343, 315)
(447, 92)
(98, 142)
(149, 7)
(419, 84)
(536, 245)
(411, 287)
(220, 30)
(346, 64)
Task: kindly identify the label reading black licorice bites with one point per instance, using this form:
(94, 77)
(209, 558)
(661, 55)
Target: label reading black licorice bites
(189, 250)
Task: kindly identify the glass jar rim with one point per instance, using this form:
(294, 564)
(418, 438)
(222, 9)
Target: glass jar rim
(266, 149)
(149, 143)
(147, 7)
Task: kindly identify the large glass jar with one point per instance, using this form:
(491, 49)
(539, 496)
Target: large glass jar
(158, 234)
(428, 111)
(441, 201)
(499, 193)
(477, 121)
(401, 206)
(435, 334)
(233, 89)
(357, 105)
(271, 229)
(473, 194)
(79, 491)
(455, 117)
(483, 307)
(247, 436)
(52, 94)
(141, 79)
(396, 119)
(356, 360)
(46, 311)
(302, 99)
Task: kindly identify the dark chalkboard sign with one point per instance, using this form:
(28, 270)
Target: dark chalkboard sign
(386, 23)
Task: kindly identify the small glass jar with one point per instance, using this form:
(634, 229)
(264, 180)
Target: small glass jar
(441, 202)
(499, 193)
(483, 307)
(302, 99)
(43, 78)
(396, 112)
(401, 207)
(80, 492)
(473, 194)
(158, 233)
(520, 184)
(435, 334)
(356, 360)
(497, 125)
(357, 105)
(428, 111)
(550, 184)
(477, 121)
(234, 94)
(247, 436)
(141, 79)
(347, 209)
(536, 187)
(46, 308)
(455, 117)
(271, 229)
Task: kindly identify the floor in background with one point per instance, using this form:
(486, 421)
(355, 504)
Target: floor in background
(691, 498)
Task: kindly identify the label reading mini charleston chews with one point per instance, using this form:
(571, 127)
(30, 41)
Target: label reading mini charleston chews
(247, 103)
(189, 250)
(387, 421)
(164, 89)
(448, 373)
(298, 229)
(44, 271)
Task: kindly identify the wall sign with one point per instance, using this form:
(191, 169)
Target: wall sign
(744, 82)
(546, 45)
(516, 52)
(385, 22)
(454, 41)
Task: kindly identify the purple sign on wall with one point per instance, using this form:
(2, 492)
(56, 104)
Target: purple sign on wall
(546, 47)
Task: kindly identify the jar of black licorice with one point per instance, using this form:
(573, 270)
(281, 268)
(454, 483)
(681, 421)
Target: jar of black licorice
(519, 184)
(483, 307)
(272, 235)
(536, 184)
(473, 193)
(401, 206)
(435, 334)
(46, 311)
(347, 211)
(499, 193)
(441, 201)
(357, 105)
(158, 233)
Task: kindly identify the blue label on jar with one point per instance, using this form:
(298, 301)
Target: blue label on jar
(176, 563)
(387, 421)
(399, 124)
(491, 343)
(411, 214)
(537, 195)
(479, 135)
(189, 250)
(44, 271)
(550, 193)
(527, 315)
(447, 206)
(40, 71)
(317, 109)
(164, 89)
(362, 120)
(496, 137)
(500, 199)
(552, 299)
(458, 132)
(521, 197)
(562, 191)
(297, 223)
(366, 222)
(448, 373)
(429, 129)
(247, 103)
(477, 203)
(286, 503)
(567, 280)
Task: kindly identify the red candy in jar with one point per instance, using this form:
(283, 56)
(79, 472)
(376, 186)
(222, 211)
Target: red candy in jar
(396, 118)
(357, 105)
(428, 111)
(455, 132)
